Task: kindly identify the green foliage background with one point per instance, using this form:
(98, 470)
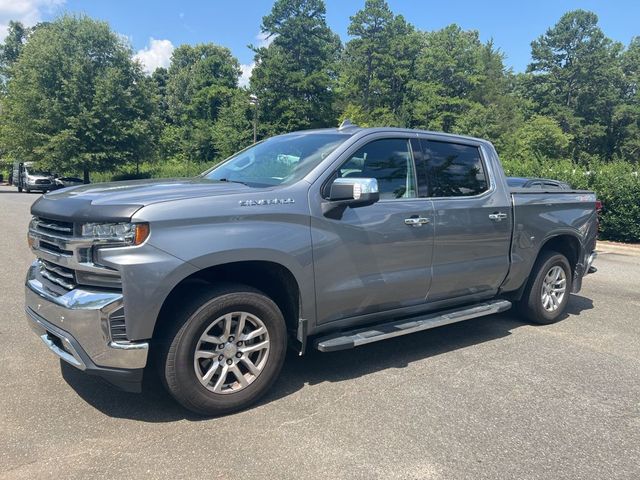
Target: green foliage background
(73, 99)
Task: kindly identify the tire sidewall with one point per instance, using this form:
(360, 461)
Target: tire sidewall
(535, 297)
(180, 376)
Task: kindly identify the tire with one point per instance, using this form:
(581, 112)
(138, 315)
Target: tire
(206, 313)
(535, 305)
(28, 190)
(19, 189)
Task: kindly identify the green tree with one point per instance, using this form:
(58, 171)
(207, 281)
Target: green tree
(233, 130)
(462, 86)
(201, 81)
(10, 50)
(75, 100)
(294, 76)
(576, 78)
(540, 137)
(626, 116)
(377, 65)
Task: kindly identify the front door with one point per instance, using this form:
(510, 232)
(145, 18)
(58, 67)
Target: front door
(371, 259)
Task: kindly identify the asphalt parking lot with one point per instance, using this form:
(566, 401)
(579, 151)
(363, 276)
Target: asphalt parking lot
(487, 398)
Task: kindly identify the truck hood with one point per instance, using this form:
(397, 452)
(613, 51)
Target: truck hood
(118, 201)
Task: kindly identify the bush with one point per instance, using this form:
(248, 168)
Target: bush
(617, 185)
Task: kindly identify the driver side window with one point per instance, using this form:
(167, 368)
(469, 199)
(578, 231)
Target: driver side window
(389, 161)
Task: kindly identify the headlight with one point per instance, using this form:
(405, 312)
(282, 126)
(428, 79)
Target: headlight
(117, 233)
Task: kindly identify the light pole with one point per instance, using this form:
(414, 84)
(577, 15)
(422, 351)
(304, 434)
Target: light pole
(253, 100)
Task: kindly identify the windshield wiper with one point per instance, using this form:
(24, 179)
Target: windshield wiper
(232, 181)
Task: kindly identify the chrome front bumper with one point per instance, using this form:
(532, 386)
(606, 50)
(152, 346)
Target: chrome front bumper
(75, 326)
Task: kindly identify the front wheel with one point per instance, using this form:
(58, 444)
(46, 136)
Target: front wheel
(226, 350)
(547, 292)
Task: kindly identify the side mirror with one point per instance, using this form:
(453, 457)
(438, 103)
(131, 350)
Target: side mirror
(350, 192)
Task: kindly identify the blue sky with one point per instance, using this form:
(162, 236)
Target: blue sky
(234, 24)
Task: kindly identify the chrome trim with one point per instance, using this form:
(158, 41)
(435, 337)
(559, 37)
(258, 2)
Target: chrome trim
(70, 244)
(57, 270)
(52, 226)
(56, 280)
(69, 355)
(416, 221)
(82, 316)
(497, 217)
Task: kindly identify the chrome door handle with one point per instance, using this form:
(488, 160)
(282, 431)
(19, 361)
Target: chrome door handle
(416, 221)
(497, 217)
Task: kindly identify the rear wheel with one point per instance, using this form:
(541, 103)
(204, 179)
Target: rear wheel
(547, 293)
(225, 351)
(19, 189)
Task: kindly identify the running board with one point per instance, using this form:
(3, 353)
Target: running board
(362, 336)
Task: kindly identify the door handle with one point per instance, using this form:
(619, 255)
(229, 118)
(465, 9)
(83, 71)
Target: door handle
(498, 216)
(416, 221)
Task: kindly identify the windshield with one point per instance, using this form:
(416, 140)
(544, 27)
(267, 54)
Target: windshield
(278, 160)
(38, 172)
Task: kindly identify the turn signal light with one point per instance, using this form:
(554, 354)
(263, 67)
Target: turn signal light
(142, 232)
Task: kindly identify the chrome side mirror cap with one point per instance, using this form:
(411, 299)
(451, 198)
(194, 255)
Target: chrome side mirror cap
(350, 192)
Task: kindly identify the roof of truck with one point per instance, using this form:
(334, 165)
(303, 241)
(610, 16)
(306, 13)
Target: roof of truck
(352, 129)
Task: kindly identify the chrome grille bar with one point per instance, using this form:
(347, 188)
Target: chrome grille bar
(57, 280)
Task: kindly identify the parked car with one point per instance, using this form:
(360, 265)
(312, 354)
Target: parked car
(328, 239)
(27, 176)
(541, 183)
(63, 182)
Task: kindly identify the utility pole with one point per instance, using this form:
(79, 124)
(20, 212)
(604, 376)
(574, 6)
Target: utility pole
(253, 100)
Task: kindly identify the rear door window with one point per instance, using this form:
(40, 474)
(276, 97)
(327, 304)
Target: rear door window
(454, 170)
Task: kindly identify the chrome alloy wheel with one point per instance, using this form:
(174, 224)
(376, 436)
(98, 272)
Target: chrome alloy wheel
(554, 287)
(231, 353)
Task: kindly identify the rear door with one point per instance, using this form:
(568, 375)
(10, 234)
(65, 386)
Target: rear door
(472, 220)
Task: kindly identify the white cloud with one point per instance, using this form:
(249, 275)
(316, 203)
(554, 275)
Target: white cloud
(264, 39)
(29, 12)
(246, 68)
(157, 54)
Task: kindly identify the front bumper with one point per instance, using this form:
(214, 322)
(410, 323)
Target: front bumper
(75, 326)
(40, 186)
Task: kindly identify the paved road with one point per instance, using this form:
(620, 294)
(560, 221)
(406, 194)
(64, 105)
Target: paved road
(489, 398)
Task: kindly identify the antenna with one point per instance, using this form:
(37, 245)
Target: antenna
(346, 123)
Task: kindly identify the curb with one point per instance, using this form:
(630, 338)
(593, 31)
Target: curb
(622, 248)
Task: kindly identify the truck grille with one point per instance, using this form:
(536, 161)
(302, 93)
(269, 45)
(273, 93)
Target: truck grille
(66, 258)
(59, 275)
(56, 227)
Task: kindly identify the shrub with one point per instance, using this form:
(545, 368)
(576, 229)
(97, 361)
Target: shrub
(617, 185)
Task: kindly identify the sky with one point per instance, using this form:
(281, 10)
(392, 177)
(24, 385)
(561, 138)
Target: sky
(156, 27)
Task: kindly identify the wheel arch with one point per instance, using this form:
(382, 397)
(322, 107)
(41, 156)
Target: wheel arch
(567, 243)
(272, 278)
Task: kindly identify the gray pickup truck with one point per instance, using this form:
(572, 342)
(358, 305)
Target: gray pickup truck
(325, 239)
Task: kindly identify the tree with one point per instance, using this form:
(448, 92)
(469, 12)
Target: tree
(200, 83)
(10, 50)
(377, 65)
(462, 86)
(576, 78)
(233, 130)
(76, 100)
(294, 76)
